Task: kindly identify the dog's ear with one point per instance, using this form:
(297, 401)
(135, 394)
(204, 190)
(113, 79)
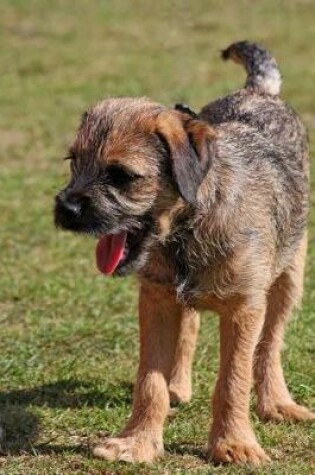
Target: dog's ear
(190, 145)
(186, 109)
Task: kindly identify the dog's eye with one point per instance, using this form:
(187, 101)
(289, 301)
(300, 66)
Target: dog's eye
(120, 176)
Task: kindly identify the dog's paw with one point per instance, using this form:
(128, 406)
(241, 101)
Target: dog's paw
(180, 393)
(137, 448)
(232, 450)
(285, 412)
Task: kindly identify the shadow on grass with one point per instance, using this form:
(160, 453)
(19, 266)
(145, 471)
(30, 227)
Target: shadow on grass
(187, 449)
(70, 393)
(20, 428)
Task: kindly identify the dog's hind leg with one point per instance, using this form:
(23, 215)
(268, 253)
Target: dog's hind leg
(274, 400)
(142, 439)
(180, 386)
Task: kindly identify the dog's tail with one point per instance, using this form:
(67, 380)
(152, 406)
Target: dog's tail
(263, 74)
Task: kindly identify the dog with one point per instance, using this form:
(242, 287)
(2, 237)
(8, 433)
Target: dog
(210, 210)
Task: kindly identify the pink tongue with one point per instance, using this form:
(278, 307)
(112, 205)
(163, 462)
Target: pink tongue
(110, 251)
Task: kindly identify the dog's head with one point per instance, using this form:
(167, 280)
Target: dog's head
(129, 156)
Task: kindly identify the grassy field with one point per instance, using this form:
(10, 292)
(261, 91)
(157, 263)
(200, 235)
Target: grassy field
(69, 338)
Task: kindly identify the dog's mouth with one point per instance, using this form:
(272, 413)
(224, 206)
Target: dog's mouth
(122, 246)
(111, 251)
(121, 252)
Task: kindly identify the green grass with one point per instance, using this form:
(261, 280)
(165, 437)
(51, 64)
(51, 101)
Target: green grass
(69, 338)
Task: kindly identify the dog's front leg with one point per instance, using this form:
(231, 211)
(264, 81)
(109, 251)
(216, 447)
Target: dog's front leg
(142, 439)
(232, 438)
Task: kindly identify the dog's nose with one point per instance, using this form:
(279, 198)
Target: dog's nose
(70, 205)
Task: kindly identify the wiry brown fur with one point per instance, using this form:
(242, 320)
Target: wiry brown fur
(224, 199)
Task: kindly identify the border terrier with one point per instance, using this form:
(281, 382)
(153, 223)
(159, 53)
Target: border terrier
(210, 210)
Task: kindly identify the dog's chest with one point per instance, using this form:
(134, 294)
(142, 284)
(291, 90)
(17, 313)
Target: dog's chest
(199, 274)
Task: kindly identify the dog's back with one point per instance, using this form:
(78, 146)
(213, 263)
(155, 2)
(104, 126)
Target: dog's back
(258, 105)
